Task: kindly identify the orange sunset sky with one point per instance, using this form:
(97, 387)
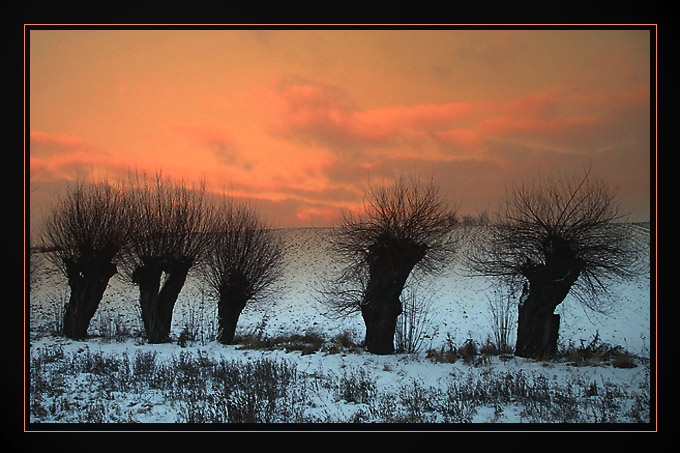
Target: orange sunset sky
(298, 120)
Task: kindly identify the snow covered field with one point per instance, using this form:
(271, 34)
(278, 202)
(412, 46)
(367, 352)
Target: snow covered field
(458, 311)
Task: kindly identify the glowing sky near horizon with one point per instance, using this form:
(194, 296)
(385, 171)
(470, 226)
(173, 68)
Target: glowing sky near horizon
(299, 120)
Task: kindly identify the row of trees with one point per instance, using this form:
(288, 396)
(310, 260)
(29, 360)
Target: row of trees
(550, 237)
(154, 231)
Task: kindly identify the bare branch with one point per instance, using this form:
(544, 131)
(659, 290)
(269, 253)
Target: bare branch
(171, 221)
(89, 220)
(244, 252)
(580, 216)
(404, 217)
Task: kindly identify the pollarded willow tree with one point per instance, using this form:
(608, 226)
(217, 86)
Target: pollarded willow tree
(244, 259)
(170, 226)
(556, 237)
(405, 226)
(87, 231)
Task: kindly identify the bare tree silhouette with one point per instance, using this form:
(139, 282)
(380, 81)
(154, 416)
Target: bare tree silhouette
(405, 225)
(87, 232)
(244, 258)
(169, 234)
(552, 237)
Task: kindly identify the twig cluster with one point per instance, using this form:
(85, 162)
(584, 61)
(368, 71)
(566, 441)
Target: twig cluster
(404, 215)
(572, 224)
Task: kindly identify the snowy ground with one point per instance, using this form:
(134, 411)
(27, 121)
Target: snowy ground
(458, 311)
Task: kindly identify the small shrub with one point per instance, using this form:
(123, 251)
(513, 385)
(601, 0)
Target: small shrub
(252, 341)
(309, 342)
(503, 318)
(623, 360)
(356, 387)
(144, 366)
(199, 319)
(419, 402)
(468, 351)
(184, 336)
(413, 323)
(598, 353)
(256, 338)
(112, 327)
(345, 341)
(447, 353)
(57, 304)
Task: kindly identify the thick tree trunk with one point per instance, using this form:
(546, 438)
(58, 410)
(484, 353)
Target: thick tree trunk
(537, 332)
(231, 304)
(389, 267)
(88, 281)
(538, 325)
(380, 317)
(157, 305)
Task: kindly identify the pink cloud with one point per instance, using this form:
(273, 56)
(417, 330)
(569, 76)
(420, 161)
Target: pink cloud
(536, 126)
(561, 119)
(423, 115)
(203, 134)
(542, 105)
(635, 98)
(43, 142)
(323, 114)
(573, 119)
(464, 138)
(386, 122)
(217, 140)
(308, 96)
(77, 163)
(322, 214)
(65, 156)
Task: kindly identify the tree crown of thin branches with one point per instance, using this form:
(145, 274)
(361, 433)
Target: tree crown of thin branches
(244, 253)
(574, 221)
(397, 215)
